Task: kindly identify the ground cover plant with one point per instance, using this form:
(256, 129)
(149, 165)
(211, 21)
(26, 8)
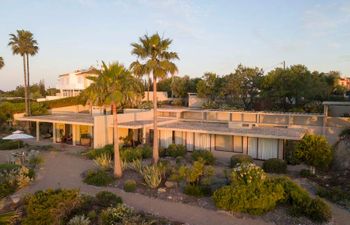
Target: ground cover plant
(69, 206)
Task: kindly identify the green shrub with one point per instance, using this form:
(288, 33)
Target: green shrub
(131, 154)
(9, 144)
(315, 151)
(94, 153)
(98, 178)
(50, 206)
(248, 174)
(250, 199)
(79, 220)
(64, 102)
(305, 173)
(116, 215)
(239, 159)
(301, 202)
(36, 160)
(204, 154)
(6, 167)
(175, 150)
(275, 166)
(319, 211)
(335, 194)
(147, 151)
(107, 199)
(198, 174)
(290, 155)
(130, 185)
(197, 190)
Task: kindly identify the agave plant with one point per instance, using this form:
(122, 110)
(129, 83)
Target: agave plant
(104, 161)
(79, 220)
(152, 175)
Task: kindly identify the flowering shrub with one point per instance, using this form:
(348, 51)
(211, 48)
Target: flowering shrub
(111, 216)
(248, 174)
(250, 191)
(239, 159)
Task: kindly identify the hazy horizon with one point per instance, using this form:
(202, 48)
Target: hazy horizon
(209, 36)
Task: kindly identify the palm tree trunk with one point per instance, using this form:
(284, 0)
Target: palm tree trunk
(117, 163)
(148, 87)
(155, 119)
(28, 86)
(25, 86)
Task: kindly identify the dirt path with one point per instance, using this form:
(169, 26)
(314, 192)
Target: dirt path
(63, 170)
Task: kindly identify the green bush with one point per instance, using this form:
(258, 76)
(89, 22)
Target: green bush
(197, 178)
(301, 202)
(197, 190)
(6, 167)
(9, 144)
(239, 159)
(50, 206)
(290, 155)
(147, 151)
(305, 173)
(275, 166)
(319, 211)
(98, 178)
(315, 151)
(204, 154)
(250, 191)
(335, 194)
(250, 199)
(130, 154)
(64, 102)
(107, 199)
(130, 185)
(94, 153)
(116, 215)
(175, 150)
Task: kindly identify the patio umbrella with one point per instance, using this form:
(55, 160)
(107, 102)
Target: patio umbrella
(18, 132)
(18, 136)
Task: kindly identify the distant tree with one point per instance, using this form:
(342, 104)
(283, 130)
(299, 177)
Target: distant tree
(153, 55)
(210, 86)
(314, 151)
(165, 85)
(244, 84)
(2, 64)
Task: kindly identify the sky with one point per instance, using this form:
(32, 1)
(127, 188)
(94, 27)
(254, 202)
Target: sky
(209, 35)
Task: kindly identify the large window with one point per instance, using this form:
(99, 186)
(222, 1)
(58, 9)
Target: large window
(238, 144)
(268, 148)
(223, 143)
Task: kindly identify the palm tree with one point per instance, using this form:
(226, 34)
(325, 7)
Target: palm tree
(156, 61)
(2, 64)
(114, 86)
(23, 44)
(31, 50)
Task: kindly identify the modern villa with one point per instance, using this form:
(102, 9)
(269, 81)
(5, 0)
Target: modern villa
(262, 135)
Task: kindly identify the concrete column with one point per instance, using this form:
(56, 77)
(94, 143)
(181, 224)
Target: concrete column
(37, 131)
(53, 132)
(144, 135)
(74, 132)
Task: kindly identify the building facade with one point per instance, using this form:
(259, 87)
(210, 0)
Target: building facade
(72, 84)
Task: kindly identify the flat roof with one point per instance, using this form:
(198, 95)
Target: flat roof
(223, 129)
(69, 118)
(137, 124)
(336, 103)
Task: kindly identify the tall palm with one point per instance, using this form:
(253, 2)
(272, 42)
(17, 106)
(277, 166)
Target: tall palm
(2, 64)
(155, 59)
(22, 43)
(115, 86)
(31, 50)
